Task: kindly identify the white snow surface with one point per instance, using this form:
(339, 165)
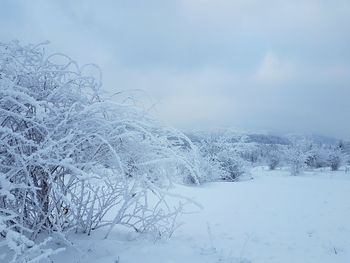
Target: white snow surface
(274, 218)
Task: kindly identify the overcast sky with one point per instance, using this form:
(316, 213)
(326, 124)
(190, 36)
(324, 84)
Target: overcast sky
(280, 66)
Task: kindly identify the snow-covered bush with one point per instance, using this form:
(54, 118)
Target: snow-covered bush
(68, 157)
(247, 150)
(317, 157)
(336, 158)
(210, 170)
(273, 159)
(325, 156)
(295, 157)
(233, 167)
(219, 160)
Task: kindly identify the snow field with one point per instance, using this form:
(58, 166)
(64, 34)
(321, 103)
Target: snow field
(273, 218)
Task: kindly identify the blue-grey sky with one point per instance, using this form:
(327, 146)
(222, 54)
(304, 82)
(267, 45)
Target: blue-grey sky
(276, 65)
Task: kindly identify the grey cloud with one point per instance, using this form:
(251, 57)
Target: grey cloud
(275, 65)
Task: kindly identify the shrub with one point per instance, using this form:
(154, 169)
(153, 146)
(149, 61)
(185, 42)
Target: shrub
(68, 156)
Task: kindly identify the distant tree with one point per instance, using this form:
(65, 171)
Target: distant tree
(336, 158)
(232, 166)
(274, 159)
(221, 159)
(296, 157)
(317, 156)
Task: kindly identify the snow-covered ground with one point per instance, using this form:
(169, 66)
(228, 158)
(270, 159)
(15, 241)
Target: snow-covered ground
(273, 218)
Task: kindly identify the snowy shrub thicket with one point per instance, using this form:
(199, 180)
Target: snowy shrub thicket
(227, 155)
(68, 157)
(320, 156)
(303, 154)
(336, 158)
(274, 157)
(218, 159)
(317, 156)
(296, 159)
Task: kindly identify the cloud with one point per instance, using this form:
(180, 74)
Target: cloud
(275, 64)
(273, 69)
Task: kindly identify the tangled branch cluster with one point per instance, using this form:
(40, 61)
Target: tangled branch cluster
(68, 157)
